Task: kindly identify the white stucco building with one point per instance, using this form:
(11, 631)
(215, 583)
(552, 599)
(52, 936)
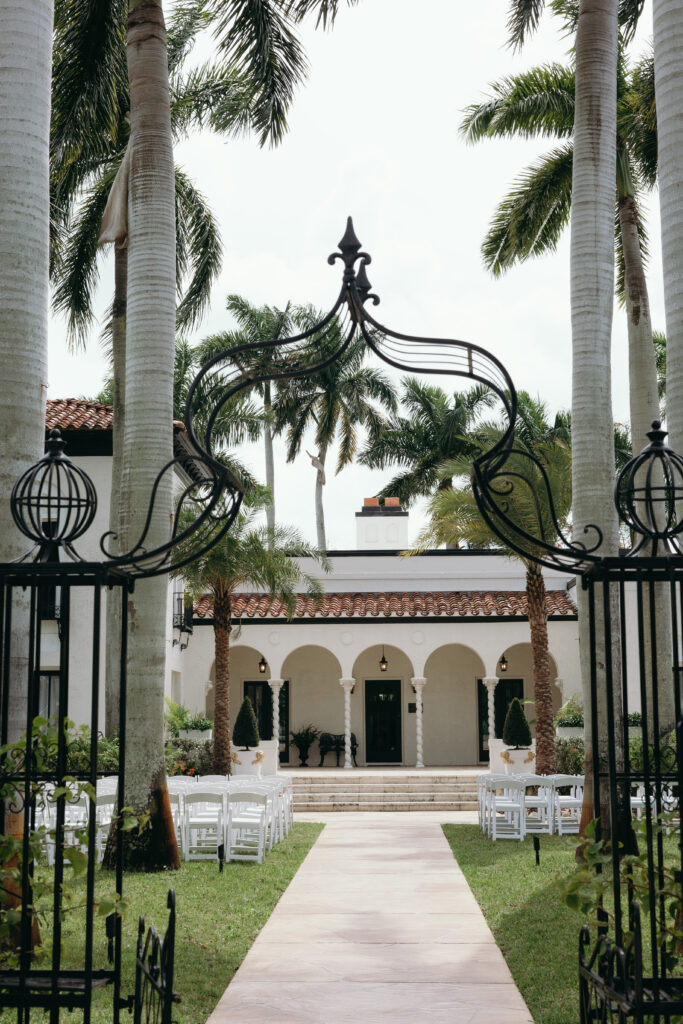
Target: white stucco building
(444, 625)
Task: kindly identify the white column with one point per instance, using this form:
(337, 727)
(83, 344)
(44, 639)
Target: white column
(348, 685)
(275, 687)
(490, 682)
(419, 683)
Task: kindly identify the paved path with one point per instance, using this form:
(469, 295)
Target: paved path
(379, 926)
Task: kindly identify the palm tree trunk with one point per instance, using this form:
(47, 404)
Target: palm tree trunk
(149, 416)
(543, 698)
(668, 51)
(222, 626)
(319, 510)
(592, 286)
(25, 67)
(644, 408)
(116, 499)
(270, 464)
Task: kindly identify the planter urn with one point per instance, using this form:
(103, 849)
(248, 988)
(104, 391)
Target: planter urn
(196, 735)
(246, 762)
(519, 760)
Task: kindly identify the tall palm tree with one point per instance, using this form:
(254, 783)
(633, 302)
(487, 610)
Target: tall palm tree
(455, 518)
(435, 428)
(259, 41)
(248, 556)
(337, 402)
(530, 219)
(668, 55)
(257, 324)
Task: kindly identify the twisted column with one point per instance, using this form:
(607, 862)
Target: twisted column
(275, 687)
(490, 682)
(419, 683)
(348, 685)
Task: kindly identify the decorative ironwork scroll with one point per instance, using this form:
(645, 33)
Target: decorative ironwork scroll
(497, 475)
(154, 997)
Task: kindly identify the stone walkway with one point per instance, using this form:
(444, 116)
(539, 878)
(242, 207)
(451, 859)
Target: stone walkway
(379, 925)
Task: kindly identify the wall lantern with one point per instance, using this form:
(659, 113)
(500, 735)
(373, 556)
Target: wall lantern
(503, 664)
(383, 663)
(262, 665)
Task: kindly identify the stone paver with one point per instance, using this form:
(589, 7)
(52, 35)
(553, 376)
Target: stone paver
(378, 926)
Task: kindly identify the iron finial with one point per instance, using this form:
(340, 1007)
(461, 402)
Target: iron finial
(656, 434)
(349, 244)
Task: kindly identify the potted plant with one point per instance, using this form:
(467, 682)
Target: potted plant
(245, 735)
(569, 719)
(197, 728)
(517, 738)
(303, 739)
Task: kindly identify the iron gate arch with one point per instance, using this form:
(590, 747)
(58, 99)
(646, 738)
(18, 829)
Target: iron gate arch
(614, 983)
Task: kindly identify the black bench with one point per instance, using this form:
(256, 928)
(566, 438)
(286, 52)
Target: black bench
(335, 742)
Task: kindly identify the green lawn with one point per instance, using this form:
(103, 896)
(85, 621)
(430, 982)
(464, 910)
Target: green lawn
(537, 934)
(218, 918)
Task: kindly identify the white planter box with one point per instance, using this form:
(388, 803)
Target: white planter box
(246, 762)
(499, 763)
(569, 732)
(197, 735)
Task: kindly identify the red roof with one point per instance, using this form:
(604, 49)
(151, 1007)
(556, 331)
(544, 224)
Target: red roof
(77, 414)
(493, 604)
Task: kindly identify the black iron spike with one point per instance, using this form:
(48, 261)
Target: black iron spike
(349, 244)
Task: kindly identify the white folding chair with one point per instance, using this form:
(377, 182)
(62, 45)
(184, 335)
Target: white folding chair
(567, 806)
(104, 813)
(492, 783)
(247, 825)
(203, 823)
(507, 812)
(538, 806)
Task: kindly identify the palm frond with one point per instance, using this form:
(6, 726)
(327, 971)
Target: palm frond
(214, 97)
(531, 217)
(76, 277)
(325, 10)
(258, 40)
(523, 19)
(198, 250)
(535, 102)
(187, 20)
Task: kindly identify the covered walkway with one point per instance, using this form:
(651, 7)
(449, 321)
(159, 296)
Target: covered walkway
(379, 925)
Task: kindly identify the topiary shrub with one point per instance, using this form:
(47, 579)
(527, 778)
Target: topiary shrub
(245, 734)
(516, 731)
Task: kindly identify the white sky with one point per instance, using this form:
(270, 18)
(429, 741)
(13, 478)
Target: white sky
(374, 134)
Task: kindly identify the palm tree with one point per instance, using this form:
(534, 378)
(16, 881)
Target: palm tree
(434, 429)
(455, 518)
(248, 556)
(257, 324)
(259, 41)
(336, 401)
(668, 60)
(532, 216)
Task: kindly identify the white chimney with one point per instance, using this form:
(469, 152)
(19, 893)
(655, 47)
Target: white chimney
(381, 525)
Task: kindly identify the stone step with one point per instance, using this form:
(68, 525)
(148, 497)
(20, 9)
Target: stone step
(365, 798)
(426, 805)
(388, 787)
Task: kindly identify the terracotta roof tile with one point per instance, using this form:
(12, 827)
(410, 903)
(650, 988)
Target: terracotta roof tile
(76, 414)
(487, 604)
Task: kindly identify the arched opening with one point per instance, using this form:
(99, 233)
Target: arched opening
(452, 712)
(518, 681)
(381, 715)
(315, 696)
(244, 667)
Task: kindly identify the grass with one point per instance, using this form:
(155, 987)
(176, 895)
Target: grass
(218, 918)
(536, 932)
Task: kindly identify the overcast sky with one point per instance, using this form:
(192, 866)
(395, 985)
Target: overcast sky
(374, 134)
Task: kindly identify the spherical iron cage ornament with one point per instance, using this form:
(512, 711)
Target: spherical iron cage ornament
(649, 495)
(54, 502)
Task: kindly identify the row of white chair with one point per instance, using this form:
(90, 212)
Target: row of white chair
(512, 806)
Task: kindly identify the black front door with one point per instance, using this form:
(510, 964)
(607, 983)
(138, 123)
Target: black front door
(504, 694)
(261, 696)
(383, 721)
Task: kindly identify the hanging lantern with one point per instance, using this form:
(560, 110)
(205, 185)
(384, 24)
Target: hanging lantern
(383, 663)
(262, 665)
(503, 664)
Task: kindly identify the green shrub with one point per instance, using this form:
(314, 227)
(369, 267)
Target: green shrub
(635, 718)
(245, 733)
(189, 757)
(570, 756)
(176, 717)
(516, 731)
